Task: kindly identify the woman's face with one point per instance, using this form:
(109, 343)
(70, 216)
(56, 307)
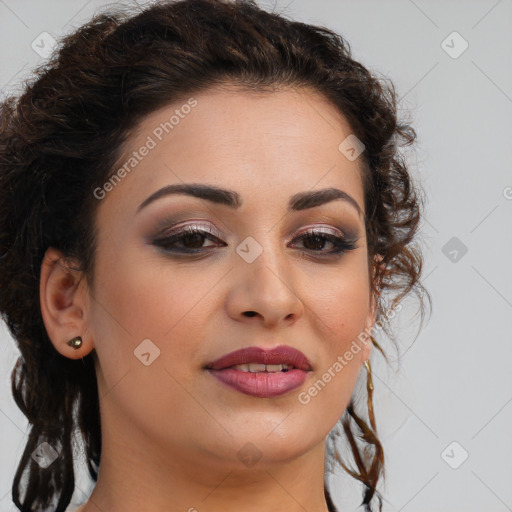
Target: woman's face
(162, 310)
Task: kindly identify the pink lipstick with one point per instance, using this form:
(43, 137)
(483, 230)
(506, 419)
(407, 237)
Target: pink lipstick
(262, 372)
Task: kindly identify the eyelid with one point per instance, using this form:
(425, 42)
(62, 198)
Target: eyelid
(177, 228)
(167, 227)
(320, 228)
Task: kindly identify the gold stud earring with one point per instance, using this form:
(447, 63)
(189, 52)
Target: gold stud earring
(76, 342)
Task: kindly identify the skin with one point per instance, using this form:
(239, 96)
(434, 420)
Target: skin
(171, 432)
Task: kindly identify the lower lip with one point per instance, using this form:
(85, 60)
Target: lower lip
(261, 384)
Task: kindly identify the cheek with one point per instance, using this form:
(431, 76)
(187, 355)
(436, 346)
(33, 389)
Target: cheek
(340, 301)
(139, 299)
(340, 307)
(142, 298)
(332, 385)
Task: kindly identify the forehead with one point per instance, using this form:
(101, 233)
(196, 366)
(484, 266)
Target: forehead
(267, 145)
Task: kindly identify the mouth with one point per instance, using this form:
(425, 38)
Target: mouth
(262, 373)
(256, 359)
(260, 367)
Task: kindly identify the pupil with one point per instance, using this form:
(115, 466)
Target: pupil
(195, 239)
(317, 239)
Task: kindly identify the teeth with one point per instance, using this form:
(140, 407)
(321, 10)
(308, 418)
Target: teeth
(258, 367)
(274, 367)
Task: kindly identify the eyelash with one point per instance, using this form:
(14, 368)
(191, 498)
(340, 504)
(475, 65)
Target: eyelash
(342, 245)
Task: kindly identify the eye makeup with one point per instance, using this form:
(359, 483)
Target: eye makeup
(179, 239)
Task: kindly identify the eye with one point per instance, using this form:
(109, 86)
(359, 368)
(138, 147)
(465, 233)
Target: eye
(315, 240)
(189, 240)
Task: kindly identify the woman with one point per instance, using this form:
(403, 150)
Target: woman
(203, 207)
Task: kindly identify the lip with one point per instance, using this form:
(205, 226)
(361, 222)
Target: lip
(282, 354)
(262, 384)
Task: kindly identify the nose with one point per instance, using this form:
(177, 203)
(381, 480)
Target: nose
(264, 291)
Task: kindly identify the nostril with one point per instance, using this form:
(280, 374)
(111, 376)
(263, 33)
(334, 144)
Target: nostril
(250, 313)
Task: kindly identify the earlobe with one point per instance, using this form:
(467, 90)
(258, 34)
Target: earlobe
(63, 305)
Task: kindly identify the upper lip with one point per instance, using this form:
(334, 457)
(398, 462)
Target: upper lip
(283, 354)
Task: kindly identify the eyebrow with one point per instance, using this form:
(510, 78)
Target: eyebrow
(230, 198)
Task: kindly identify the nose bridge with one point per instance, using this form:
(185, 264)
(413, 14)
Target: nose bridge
(266, 253)
(264, 283)
(264, 261)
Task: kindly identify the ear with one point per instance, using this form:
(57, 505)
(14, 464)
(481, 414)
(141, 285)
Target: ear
(63, 299)
(372, 311)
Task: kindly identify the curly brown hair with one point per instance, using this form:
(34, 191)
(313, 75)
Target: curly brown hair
(60, 139)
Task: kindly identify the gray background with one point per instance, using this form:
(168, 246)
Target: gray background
(453, 384)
